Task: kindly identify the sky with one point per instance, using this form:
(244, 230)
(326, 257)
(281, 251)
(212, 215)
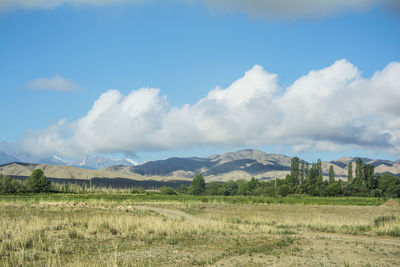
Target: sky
(155, 79)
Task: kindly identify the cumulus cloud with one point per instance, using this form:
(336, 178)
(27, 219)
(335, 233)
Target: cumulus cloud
(56, 83)
(331, 109)
(283, 9)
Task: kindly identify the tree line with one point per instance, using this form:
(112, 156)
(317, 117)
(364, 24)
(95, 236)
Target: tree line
(308, 179)
(303, 179)
(36, 183)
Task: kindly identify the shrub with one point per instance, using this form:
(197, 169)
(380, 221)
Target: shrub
(135, 190)
(167, 190)
(182, 189)
(334, 189)
(284, 190)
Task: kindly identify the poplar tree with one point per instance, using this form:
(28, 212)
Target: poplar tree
(331, 174)
(293, 178)
(307, 173)
(359, 168)
(350, 173)
(369, 177)
(302, 172)
(319, 166)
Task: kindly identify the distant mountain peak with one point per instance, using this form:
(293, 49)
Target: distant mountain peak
(134, 163)
(253, 154)
(246, 161)
(10, 152)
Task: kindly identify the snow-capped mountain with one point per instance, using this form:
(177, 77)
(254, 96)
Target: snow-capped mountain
(10, 152)
(99, 162)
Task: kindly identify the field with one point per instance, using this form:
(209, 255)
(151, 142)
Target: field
(155, 230)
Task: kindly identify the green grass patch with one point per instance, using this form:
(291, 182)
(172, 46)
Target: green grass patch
(156, 197)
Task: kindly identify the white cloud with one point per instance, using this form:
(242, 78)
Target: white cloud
(284, 9)
(56, 83)
(331, 109)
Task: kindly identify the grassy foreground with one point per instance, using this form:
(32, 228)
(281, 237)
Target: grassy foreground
(155, 230)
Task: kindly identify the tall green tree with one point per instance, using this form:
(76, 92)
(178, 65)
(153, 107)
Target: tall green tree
(359, 168)
(302, 172)
(37, 182)
(198, 185)
(389, 185)
(253, 184)
(10, 186)
(231, 188)
(369, 176)
(293, 178)
(350, 173)
(307, 173)
(6, 186)
(319, 166)
(314, 179)
(331, 174)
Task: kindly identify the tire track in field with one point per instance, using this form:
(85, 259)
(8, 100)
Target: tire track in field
(170, 213)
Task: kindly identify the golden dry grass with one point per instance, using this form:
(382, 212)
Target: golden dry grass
(106, 233)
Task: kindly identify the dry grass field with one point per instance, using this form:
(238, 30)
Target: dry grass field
(140, 233)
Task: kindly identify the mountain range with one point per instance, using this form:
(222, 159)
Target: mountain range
(242, 164)
(10, 152)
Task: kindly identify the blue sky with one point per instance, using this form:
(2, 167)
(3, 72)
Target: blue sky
(186, 51)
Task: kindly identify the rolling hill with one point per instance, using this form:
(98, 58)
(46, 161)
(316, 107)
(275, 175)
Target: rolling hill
(242, 164)
(69, 174)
